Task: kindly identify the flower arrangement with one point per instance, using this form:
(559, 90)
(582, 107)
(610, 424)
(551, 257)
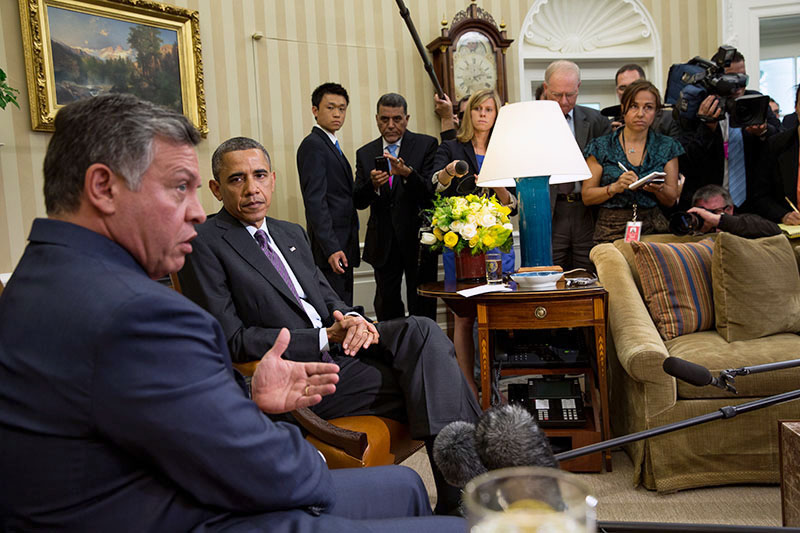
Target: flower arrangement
(474, 222)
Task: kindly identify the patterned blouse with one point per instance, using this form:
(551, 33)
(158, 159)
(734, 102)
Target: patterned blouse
(608, 151)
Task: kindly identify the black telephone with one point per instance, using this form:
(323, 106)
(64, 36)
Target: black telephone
(555, 401)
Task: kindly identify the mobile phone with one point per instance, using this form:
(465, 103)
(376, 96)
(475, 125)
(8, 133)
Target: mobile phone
(653, 177)
(381, 163)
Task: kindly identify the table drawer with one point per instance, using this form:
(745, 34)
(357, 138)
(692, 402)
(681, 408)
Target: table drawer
(536, 315)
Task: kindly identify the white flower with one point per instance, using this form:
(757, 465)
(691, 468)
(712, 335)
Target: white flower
(488, 220)
(444, 227)
(475, 207)
(428, 238)
(468, 231)
(456, 225)
(472, 219)
(508, 226)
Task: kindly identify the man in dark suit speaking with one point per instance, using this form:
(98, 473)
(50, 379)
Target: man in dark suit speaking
(256, 275)
(326, 182)
(395, 199)
(119, 408)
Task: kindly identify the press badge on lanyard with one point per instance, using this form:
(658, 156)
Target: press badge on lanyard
(633, 229)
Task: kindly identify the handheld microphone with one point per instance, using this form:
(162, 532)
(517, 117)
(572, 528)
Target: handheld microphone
(461, 168)
(693, 374)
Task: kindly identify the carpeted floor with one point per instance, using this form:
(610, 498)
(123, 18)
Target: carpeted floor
(620, 501)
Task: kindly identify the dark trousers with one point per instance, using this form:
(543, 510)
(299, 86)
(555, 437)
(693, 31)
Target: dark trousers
(342, 284)
(573, 235)
(386, 499)
(389, 278)
(411, 376)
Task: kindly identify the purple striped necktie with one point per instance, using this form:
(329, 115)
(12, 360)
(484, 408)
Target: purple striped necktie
(263, 241)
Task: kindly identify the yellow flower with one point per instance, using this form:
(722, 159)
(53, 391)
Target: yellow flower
(439, 234)
(488, 240)
(450, 239)
(474, 241)
(505, 210)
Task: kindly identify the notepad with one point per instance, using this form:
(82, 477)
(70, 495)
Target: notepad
(793, 232)
(655, 177)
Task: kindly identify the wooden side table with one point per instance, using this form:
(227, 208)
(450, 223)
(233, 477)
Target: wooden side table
(553, 309)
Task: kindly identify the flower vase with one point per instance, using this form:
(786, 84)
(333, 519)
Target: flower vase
(470, 267)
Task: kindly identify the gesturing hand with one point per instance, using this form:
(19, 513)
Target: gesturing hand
(280, 385)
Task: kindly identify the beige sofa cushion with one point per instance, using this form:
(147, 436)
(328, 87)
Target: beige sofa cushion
(708, 349)
(676, 285)
(756, 287)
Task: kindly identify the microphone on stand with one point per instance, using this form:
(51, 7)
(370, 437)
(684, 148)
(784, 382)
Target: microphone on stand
(694, 374)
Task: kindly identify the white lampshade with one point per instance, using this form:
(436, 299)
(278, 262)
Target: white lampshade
(532, 139)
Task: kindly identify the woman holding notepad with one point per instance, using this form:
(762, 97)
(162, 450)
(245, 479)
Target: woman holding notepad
(633, 169)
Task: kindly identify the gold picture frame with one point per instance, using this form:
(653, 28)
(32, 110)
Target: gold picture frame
(79, 48)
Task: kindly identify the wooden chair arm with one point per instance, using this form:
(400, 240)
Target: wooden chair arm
(352, 442)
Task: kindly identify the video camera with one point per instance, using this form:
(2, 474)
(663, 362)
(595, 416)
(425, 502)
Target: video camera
(688, 84)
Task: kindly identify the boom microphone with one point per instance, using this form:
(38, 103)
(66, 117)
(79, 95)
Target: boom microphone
(509, 436)
(692, 373)
(455, 454)
(504, 436)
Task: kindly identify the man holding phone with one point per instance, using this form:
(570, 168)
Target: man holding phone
(392, 179)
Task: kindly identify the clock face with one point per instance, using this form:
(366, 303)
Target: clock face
(474, 64)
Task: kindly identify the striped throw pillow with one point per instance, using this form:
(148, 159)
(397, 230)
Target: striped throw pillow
(677, 287)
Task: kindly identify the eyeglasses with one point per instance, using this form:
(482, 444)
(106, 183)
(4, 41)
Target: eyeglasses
(719, 210)
(569, 96)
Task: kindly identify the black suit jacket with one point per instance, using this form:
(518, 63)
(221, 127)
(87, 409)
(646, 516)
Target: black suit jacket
(704, 160)
(229, 275)
(779, 176)
(589, 123)
(396, 210)
(326, 181)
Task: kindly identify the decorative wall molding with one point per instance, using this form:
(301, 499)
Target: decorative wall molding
(581, 26)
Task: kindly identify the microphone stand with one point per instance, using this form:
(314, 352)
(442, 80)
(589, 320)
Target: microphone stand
(728, 411)
(414, 35)
(727, 376)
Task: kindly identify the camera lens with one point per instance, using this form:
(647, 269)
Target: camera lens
(684, 223)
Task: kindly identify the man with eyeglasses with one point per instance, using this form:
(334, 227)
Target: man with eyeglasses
(573, 223)
(714, 205)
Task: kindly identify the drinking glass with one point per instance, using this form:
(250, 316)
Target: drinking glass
(494, 268)
(529, 499)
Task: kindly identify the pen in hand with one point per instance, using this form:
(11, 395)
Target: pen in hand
(621, 167)
(791, 205)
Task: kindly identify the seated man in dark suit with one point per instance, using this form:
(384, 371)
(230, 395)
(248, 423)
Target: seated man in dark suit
(119, 408)
(395, 200)
(257, 275)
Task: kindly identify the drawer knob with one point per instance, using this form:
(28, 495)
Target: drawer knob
(540, 312)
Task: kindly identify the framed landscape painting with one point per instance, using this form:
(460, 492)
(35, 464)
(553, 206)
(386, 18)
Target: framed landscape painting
(77, 49)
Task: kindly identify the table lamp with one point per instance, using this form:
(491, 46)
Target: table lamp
(532, 147)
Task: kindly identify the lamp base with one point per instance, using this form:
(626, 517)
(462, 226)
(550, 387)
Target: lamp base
(535, 224)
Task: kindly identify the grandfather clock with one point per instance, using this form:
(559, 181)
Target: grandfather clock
(471, 54)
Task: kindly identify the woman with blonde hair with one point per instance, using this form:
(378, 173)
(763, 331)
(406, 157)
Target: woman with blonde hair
(470, 146)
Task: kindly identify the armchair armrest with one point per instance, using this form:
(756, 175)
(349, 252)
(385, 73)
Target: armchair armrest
(353, 443)
(640, 349)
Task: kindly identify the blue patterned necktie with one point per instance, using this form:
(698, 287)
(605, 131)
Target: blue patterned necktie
(737, 178)
(263, 241)
(338, 147)
(392, 150)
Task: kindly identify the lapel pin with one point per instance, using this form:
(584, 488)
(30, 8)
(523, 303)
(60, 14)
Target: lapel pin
(292, 248)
